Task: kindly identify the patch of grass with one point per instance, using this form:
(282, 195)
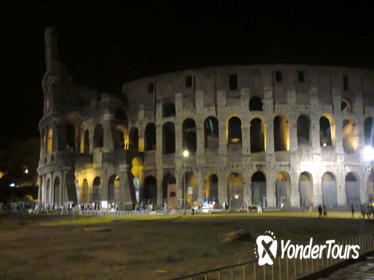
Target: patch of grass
(136, 247)
(78, 258)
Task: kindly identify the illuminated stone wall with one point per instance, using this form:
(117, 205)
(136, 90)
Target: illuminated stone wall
(320, 93)
(308, 173)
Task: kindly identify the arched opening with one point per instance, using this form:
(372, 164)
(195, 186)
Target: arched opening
(169, 191)
(326, 132)
(346, 106)
(150, 137)
(96, 189)
(189, 189)
(189, 135)
(350, 135)
(49, 141)
(258, 184)
(98, 136)
(85, 197)
(211, 134)
(283, 190)
(86, 142)
(235, 190)
(211, 188)
(70, 137)
(329, 190)
(352, 189)
(150, 190)
(168, 138)
(234, 135)
(113, 188)
(56, 192)
(255, 104)
(134, 139)
(168, 110)
(306, 189)
(303, 130)
(257, 135)
(368, 131)
(281, 137)
(370, 188)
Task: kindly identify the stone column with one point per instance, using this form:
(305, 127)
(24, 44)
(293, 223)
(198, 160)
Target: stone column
(108, 133)
(200, 182)
(269, 126)
(158, 161)
(246, 145)
(317, 186)
(292, 128)
(222, 186)
(179, 187)
(340, 185)
(125, 194)
(178, 139)
(295, 194)
(222, 149)
(200, 137)
(160, 190)
(315, 133)
(270, 187)
(247, 194)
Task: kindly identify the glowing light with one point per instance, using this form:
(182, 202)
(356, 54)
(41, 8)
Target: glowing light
(368, 153)
(186, 153)
(236, 196)
(12, 185)
(324, 144)
(26, 170)
(104, 204)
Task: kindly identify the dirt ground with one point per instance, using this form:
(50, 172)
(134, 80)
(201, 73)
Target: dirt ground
(68, 247)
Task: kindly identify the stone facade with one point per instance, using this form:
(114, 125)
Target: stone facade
(276, 135)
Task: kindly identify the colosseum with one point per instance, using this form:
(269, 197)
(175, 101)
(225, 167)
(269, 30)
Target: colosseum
(280, 136)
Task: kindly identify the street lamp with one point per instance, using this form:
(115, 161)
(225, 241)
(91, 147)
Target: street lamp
(368, 153)
(185, 154)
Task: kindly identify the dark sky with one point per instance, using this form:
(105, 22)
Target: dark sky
(103, 45)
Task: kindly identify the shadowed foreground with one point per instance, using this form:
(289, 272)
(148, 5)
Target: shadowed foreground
(37, 247)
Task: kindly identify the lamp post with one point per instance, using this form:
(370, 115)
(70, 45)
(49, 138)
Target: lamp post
(186, 153)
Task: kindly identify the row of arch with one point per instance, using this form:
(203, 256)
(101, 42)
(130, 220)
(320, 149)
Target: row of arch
(112, 191)
(258, 134)
(234, 135)
(235, 189)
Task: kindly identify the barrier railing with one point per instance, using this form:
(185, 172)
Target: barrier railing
(282, 269)
(112, 213)
(130, 213)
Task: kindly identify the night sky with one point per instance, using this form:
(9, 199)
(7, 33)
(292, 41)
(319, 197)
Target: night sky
(107, 44)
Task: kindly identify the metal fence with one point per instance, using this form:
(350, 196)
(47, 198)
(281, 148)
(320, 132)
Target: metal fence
(134, 213)
(102, 212)
(282, 269)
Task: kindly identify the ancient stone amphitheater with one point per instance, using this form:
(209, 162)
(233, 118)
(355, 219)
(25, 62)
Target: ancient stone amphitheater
(275, 135)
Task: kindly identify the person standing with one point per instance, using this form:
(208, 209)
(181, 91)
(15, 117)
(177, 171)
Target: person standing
(320, 211)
